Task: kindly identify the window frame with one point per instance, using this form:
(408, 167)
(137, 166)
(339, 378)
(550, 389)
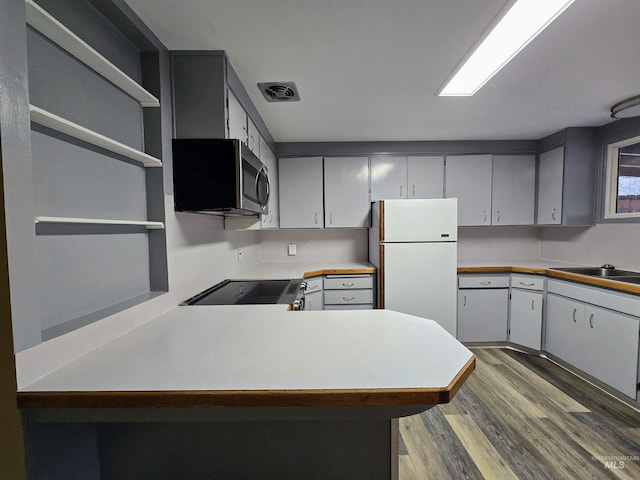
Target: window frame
(611, 186)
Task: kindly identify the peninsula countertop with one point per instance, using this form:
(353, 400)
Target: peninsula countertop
(210, 356)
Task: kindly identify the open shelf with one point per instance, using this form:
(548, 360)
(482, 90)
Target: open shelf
(59, 124)
(100, 221)
(69, 41)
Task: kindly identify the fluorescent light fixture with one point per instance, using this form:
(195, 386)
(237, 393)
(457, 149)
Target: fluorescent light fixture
(521, 24)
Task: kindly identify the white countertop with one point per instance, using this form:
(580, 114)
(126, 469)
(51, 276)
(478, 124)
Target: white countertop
(267, 348)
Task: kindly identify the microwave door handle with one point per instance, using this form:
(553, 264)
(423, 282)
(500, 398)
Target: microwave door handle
(262, 169)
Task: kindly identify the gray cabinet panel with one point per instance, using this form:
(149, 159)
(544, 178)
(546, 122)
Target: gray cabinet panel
(346, 192)
(525, 318)
(301, 192)
(550, 178)
(482, 315)
(468, 178)
(388, 178)
(563, 329)
(513, 193)
(425, 176)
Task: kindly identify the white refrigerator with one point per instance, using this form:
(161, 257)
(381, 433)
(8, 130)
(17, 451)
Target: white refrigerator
(413, 244)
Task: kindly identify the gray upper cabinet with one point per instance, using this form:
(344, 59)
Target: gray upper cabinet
(468, 178)
(425, 177)
(301, 192)
(514, 189)
(236, 119)
(550, 187)
(388, 178)
(346, 192)
(566, 177)
(271, 219)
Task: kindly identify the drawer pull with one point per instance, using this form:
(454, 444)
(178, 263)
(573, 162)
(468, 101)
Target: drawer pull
(526, 284)
(485, 283)
(348, 284)
(348, 299)
(573, 315)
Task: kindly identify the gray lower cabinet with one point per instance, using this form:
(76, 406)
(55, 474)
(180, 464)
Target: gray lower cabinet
(483, 308)
(601, 342)
(525, 310)
(314, 297)
(348, 292)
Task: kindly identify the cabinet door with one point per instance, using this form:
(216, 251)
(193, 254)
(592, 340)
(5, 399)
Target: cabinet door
(525, 320)
(270, 220)
(388, 178)
(565, 332)
(425, 177)
(253, 137)
(611, 348)
(314, 301)
(237, 118)
(300, 192)
(346, 192)
(482, 315)
(513, 193)
(468, 178)
(550, 181)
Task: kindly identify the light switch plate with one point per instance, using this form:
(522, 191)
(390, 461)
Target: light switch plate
(292, 250)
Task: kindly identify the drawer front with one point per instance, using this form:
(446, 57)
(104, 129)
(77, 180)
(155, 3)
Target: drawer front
(528, 282)
(363, 306)
(483, 281)
(341, 282)
(314, 284)
(347, 297)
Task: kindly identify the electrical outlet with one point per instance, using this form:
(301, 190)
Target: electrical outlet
(239, 255)
(292, 250)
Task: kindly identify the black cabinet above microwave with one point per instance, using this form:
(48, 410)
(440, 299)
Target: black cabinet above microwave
(218, 176)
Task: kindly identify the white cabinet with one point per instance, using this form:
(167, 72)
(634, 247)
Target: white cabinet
(525, 311)
(425, 177)
(407, 177)
(237, 118)
(550, 181)
(346, 192)
(483, 308)
(253, 137)
(513, 192)
(388, 178)
(600, 342)
(300, 192)
(468, 178)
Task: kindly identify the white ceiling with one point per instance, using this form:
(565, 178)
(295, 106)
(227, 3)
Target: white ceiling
(369, 69)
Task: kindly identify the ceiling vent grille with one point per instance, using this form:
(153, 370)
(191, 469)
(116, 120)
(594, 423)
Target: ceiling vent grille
(279, 91)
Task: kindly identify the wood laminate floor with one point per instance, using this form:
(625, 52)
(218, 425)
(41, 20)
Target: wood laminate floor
(522, 417)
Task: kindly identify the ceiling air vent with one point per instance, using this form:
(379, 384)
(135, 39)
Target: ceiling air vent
(279, 91)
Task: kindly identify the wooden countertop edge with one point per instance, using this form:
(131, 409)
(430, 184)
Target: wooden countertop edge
(574, 277)
(248, 398)
(339, 271)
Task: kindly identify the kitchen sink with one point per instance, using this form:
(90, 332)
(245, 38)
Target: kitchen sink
(630, 279)
(612, 273)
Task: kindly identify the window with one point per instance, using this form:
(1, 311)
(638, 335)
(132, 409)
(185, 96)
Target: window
(623, 179)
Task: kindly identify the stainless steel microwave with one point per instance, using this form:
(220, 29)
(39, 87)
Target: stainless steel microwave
(218, 176)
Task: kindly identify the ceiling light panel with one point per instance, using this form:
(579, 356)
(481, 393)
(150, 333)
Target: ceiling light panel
(520, 25)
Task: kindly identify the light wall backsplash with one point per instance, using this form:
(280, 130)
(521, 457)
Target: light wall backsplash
(497, 243)
(616, 244)
(326, 245)
(201, 253)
